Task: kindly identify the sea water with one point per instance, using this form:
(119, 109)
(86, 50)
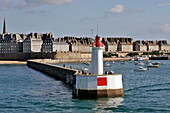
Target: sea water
(24, 90)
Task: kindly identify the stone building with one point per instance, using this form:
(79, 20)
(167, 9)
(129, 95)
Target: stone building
(32, 43)
(122, 46)
(163, 45)
(110, 44)
(152, 46)
(47, 45)
(80, 47)
(60, 45)
(82, 44)
(9, 42)
(125, 44)
(139, 46)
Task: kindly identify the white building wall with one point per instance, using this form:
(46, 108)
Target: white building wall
(165, 48)
(36, 45)
(112, 47)
(142, 48)
(153, 47)
(126, 47)
(60, 47)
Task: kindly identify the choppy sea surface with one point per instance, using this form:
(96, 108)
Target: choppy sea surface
(24, 90)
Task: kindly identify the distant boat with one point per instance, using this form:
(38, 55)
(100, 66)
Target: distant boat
(139, 63)
(85, 69)
(153, 65)
(109, 72)
(162, 64)
(140, 68)
(131, 59)
(159, 63)
(87, 63)
(107, 64)
(139, 59)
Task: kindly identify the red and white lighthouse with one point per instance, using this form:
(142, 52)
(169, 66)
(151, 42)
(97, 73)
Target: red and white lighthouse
(97, 57)
(98, 84)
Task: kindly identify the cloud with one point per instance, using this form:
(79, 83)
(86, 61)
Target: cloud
(117, 9)
(165, 4)
(164, 28)
(42, 12)
(20, 4)
(34, 3)
(57, 2)
(5, 4)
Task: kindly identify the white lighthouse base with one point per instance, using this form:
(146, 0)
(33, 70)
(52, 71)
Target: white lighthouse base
(94, 86)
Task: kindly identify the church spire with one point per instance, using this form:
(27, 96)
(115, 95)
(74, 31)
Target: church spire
(4, 27)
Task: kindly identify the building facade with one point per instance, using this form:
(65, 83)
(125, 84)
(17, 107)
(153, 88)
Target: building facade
(139, 46)
(32, 43)
(163, 45)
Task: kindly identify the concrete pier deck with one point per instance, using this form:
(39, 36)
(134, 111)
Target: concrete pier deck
(56, 61)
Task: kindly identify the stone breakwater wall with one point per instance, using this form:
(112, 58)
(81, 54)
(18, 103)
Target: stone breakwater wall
(83, 85)
(25, 56)
(43, 55)
(57, 72)
(72, 55)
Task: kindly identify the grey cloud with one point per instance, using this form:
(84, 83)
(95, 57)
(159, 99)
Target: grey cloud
(34, 3)
(5, 4)
(164, 4)
(42, 12)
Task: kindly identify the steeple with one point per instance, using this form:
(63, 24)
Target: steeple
(4, 27)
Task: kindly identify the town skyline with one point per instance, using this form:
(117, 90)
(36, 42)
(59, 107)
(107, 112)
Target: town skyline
(144, 20)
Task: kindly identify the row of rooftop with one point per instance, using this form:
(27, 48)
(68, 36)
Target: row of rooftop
(34, 42)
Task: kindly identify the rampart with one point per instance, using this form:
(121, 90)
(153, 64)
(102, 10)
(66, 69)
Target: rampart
(25, 56)
(57, 72)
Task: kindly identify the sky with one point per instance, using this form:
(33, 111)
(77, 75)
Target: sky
(137, 19)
